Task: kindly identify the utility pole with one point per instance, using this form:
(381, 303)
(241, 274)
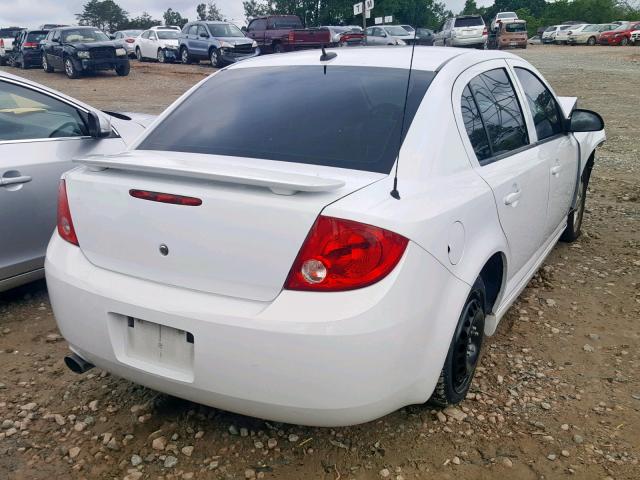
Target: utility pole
(364, 16)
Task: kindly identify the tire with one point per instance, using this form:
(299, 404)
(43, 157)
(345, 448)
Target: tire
(70, 68)
(139, 55)
(624, 42)
(592, 41)
(123, 70)
(215, 58)
(3, 61)
(184, 56)
(277, 48)
(160, 56)
(464, 351)
(45, 64)
(575, 217)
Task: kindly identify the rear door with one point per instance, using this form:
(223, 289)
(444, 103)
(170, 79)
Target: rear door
(496, 135)
(39, 135)
(557, 147)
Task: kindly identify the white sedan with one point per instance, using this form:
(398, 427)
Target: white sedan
(158, 43)
(321, 255)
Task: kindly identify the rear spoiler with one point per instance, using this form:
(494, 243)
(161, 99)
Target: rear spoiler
(280, 183)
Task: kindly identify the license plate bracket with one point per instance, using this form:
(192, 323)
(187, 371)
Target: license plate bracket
(154, 347)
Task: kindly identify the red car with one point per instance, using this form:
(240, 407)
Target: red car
(620, 35)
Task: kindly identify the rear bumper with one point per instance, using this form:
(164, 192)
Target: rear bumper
(90, 64)
(32, 58)
(609, 40)
(468, 41)
(322, 359)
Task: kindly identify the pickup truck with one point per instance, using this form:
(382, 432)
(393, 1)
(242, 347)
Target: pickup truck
(283, 33)
(7, 36)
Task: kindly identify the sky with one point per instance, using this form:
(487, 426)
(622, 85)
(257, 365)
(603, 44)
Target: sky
(31, 13)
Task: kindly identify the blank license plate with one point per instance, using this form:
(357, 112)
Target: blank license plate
(162, 346)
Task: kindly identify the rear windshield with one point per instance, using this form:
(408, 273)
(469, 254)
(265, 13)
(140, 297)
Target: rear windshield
(9, 32)
(397, 31)
(167, 34)
(36, 36)
(469, 22)
(344, 116)
(515, 27)
(286, 22)
(507, 15)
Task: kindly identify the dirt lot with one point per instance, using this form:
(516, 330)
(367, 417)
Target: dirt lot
(557, 394)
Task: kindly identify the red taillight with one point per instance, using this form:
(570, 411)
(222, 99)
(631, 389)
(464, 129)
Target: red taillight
(130, 40)
(1, 43)
(342, 255)
(31, 45)
(165, 198)
(65, 223)
(291, 36)
(485, 31)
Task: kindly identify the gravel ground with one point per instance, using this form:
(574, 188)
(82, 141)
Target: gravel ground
(557, 393)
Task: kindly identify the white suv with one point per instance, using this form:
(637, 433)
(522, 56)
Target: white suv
(462, 31)
(503, 17)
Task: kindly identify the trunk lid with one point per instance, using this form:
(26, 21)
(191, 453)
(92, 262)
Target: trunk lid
(240, 242)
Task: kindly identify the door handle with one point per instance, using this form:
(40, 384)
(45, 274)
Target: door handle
(4, 181)
(555, 171)
(512, 198)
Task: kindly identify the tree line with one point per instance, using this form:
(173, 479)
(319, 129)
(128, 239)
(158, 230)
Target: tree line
(109, 16)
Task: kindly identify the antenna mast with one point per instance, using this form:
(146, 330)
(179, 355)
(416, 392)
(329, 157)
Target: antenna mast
(395, 193)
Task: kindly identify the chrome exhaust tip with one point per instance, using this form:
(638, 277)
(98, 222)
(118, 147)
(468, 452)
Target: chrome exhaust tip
(77, 364)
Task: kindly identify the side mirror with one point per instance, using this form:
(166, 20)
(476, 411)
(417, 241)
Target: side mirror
(244, 29)
(99, 125)
(204, 35)
(585, 121)
(384, 35)
(112, 37)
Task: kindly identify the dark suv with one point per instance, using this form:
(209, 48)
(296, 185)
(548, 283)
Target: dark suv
(83, 49)
(219, 42)
(26, 49)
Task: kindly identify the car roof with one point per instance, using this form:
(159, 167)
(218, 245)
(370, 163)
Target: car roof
(425, 58)
(76, 27)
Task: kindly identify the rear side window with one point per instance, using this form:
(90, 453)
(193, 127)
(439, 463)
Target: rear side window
(260, 24)
(474, 126)
(544, 108)
(287, 22)
(500, 112)
(352, 120)
(469, 22)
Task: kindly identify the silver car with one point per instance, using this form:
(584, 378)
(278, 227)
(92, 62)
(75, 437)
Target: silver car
(128, 38)
(387, 35)
(41, 130)
(462, 31)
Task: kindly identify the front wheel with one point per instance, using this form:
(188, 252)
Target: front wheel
(184, 56)
(574, 220)
(464, 350)
(216, 59)
(123, 70)
(592, 41)
(161, 57)
(624, 42)
(139, 55)
(45, 64)
(70, 68)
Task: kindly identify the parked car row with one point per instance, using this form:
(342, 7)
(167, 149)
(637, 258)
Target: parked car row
(615, 33)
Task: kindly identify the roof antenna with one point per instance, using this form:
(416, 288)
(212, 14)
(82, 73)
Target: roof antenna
(395, 193)
(327, 56)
